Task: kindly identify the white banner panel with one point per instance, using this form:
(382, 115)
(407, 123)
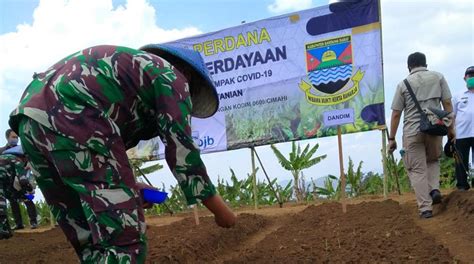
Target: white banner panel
(276, 77)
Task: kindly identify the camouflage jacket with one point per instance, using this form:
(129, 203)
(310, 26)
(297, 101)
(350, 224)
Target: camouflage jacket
(105, 95)
(10, 167)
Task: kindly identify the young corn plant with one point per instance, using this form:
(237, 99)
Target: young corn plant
(240, 192)
(372, 183)
(237, 192)
(328, 191)
(44, 213)
(396, 167)
(447, 177)
(269, 198)
(23, 213)
(42, 210)
(354, 178)
(285, 193)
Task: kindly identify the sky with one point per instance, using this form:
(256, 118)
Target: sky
(34, 34)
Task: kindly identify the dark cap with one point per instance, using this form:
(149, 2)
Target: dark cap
(469, 70)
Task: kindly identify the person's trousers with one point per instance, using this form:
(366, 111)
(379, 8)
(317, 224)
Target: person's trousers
(92, 196)
(30, 209)
(421, 159)
(4, 225)
(463, 147)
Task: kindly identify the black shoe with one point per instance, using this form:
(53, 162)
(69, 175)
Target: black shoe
(34, 225)
(5, 234)
(426, 214)
(20, 227)
(436, 196)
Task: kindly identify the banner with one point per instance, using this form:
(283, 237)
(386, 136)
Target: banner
(277, 77)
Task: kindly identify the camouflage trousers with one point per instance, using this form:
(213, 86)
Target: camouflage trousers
(5, 230)
(91, 196)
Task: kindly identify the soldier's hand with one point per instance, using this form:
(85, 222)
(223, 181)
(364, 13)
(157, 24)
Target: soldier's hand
(139, 186)
(226, 219)
(223, 216)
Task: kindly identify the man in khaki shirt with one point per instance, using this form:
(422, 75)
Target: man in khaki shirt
(422, 151)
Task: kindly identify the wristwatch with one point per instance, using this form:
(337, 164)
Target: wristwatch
(391, 138)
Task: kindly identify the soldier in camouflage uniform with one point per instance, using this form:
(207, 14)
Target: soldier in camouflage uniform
(77, 119)
(11, 166)
(18, 195)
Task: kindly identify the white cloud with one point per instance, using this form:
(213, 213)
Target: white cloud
(442, 29)
(61, 27)
(289, 5)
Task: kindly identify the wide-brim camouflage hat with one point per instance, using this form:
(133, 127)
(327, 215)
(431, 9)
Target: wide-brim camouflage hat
(204, 95)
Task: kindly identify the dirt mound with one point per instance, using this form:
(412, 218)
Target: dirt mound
(184, 242)
(459, 207)
(368, 232)
(453, 225)
(47, 247)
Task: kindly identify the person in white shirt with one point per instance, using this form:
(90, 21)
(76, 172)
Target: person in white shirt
(463, 107)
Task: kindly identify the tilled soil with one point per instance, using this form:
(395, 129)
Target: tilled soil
(368, 232)
(203, 243)
(45, 247)
(453, 225)
(375, 231)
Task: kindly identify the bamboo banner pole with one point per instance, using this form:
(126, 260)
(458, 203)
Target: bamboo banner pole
(254, 177)
(341, 169)
(384, 163)
(52, 221)
(196, 214)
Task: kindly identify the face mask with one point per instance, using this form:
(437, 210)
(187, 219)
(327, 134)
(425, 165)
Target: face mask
(470, 83)
(13, 142)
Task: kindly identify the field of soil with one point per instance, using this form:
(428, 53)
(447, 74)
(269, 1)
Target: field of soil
(372, 230)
